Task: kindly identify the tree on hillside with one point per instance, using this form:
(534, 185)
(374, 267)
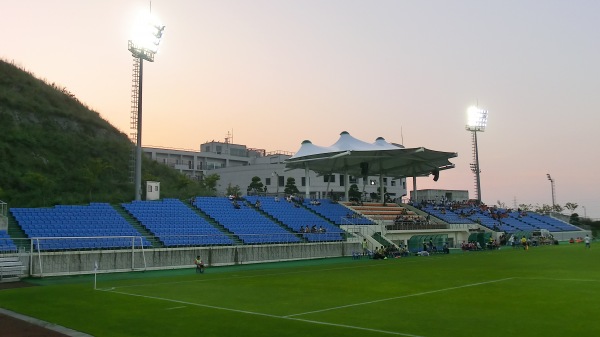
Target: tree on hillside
(41, 187)
(525, 207)
(94, 172)
(544, 209)
(571, 206)
(290, 186)
(255, 186)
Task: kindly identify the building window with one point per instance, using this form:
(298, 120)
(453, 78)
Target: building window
(329, 178)
(372, 182)
(268, 181)
(303, 181)
(384, 181)
(353, 180)
(281, 180)
(342, 180)
(393, 183)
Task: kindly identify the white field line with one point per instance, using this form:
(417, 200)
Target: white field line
(557, 279)
(399, 297)
(265, 315)
(353, 327)
(175, 308)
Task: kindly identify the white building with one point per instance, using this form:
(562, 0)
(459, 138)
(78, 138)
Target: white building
(237, 164)
(440, 195)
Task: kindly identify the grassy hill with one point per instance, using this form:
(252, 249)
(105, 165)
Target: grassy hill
(55, 150)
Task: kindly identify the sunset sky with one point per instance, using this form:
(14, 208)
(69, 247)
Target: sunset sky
(277, 72)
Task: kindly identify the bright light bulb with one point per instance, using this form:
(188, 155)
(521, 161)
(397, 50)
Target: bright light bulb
(476, 118)
(147, 32)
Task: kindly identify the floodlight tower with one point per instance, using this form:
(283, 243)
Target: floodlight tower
(142, 47)
(552, 186)
(476, 121)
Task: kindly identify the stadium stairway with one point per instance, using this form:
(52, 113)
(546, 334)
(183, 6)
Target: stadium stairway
(382, 240)
(17, 233)
(138, 227)
(211, 221)
(275, 220)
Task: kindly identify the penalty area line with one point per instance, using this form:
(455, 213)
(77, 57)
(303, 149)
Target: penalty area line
(399, 297)
(260, 314)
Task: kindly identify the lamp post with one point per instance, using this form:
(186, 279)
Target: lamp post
(476, 121)
(552, 186)
(142, 47)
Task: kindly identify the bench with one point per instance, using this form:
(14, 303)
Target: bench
(11, 269)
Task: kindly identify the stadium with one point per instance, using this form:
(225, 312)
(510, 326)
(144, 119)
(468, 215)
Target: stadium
(287, 264)
(232, 240)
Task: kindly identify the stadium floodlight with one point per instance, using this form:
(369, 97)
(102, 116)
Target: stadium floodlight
(147, 36)
(552, 186)
(476, 121)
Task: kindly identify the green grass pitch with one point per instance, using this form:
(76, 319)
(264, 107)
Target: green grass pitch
(546, 291)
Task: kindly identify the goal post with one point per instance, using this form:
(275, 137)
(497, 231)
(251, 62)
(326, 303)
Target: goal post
(52, 256)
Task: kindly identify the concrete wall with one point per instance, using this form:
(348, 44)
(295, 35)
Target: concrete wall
(83, 262)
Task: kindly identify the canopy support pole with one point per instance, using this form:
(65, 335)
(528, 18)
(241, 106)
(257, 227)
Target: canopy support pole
(307, 179)
(381, 189)
(415, 198)
(346, 188)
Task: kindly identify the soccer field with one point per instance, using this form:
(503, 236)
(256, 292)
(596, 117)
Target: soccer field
(546, 291)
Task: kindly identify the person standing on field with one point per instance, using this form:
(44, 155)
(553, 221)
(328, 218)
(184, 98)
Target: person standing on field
(524, 243)
(587, 241)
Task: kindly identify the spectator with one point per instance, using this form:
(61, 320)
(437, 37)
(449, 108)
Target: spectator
(199, 265)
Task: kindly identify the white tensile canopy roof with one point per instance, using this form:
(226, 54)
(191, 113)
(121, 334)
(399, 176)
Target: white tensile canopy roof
(354, 157)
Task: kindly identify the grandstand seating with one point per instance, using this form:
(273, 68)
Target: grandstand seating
(175, 224)
(509, 222)
(88, 226)
(448, 216)
(6, 244)
(245, 222)
(337, 213)
(295, 216)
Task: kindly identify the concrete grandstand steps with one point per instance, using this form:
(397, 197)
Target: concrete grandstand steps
(138, 227)
(274, 219)
(16, 233)
(380, 211)
(214, 223)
